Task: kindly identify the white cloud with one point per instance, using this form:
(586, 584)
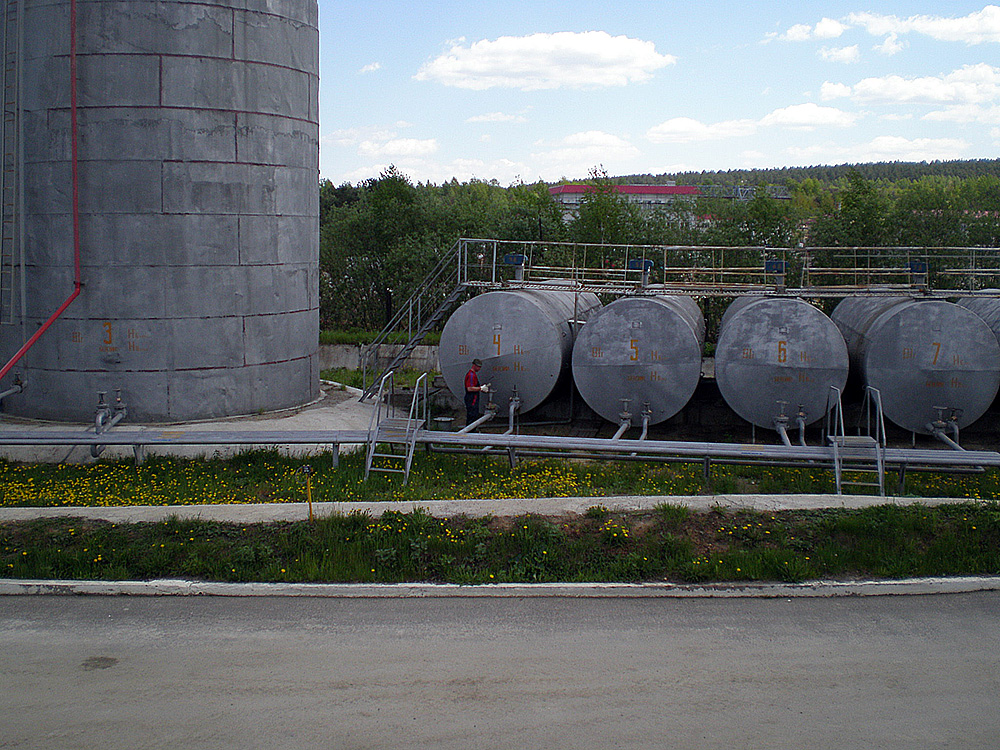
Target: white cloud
(504, 171)
(349, 137)
(800, 116)
(965, 114)
(840, 54)
(834, 91)
(980, 27)
(398, 147)
(371, 67)
(897, 148)
(497, 117)
(578, 153)
(808, 117)
(890, 46)
(976, 28)
(686, 130)
(828, 28)
(883, 148)
(971, 84)
(592, 59)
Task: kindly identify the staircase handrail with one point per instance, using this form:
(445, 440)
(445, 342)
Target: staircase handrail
(876, 398)
(449, 261)
(377, 411)
(836, 408)
(453, 253)
(416, 402)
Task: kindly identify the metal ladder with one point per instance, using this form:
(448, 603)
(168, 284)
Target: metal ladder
(437, 294)
(390, 431)
(858, 454)
(10, 174)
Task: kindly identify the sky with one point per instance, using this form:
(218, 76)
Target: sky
(517, 91)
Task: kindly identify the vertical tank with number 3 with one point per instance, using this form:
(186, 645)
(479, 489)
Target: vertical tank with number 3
(928, 358)
(778, 356)
(524, 338)
(643, 353)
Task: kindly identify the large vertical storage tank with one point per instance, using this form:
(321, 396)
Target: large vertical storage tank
(924, 356)
(646, 350)
(778, 355)
(198, 168)
(524, 338)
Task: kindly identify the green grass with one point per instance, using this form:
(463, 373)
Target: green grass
(661, 545)
(670, 542)
(268, 476)
(357, 336)
(405, 378)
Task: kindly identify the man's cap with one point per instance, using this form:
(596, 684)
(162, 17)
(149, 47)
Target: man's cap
(477, 362)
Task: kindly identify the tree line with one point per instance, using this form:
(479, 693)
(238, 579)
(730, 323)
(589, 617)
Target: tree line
(378, 239)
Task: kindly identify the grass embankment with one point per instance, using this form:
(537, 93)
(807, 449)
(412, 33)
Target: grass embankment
(670, 543)
(359, 337)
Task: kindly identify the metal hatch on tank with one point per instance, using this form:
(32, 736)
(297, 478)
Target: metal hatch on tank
(778, 356)
(929, 358)
(640, 353)
(524, 338)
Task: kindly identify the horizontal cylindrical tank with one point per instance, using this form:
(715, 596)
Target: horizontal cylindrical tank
(645, 351)
(987, 308)
(198, 146)
(524, 338)
(778, 356)
(928, 358)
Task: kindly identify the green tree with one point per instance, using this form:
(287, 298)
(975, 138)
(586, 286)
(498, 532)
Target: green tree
(860, 218)
(605, 216)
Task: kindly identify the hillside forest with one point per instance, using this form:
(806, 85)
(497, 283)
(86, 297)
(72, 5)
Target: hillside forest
(379, 238)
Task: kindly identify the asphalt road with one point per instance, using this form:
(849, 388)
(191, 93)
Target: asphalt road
(207, 672)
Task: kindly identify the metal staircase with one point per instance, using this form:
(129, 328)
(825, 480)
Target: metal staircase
(387, 431)
(436, 296)
(10, 173)
(863, 456)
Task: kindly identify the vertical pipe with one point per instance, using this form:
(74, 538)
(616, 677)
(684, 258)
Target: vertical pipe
(76, 199)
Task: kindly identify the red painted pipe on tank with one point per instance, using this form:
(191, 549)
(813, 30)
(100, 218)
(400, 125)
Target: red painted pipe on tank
(76, 200)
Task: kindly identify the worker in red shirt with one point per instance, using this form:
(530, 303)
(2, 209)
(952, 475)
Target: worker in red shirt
(472, 391)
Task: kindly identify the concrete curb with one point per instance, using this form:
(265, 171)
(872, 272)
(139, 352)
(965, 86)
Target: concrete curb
(813, 589)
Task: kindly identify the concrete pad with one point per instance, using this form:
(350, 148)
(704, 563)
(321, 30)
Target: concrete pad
(337, 408)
